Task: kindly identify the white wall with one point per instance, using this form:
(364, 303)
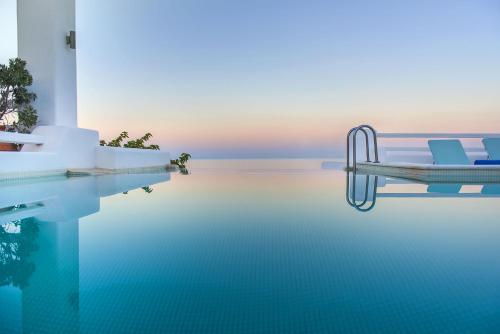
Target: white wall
(123, 158)
(42, 29)
(75, 146)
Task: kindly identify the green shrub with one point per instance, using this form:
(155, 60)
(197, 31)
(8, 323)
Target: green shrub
(16, 111)
(137, 143)
(181, 161)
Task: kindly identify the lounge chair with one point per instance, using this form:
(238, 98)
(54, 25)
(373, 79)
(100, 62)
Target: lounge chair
(451, 152)
(448, 152)
(492, 146)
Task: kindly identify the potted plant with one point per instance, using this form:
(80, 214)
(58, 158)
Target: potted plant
(16, 112)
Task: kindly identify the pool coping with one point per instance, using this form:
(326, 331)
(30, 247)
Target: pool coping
(433, 173)
(74, 172)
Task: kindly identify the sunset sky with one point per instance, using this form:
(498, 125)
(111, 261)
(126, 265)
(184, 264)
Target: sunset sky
(276, 78)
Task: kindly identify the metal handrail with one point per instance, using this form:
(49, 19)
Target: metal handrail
(375, 141)
(354, 140)
(352, 135)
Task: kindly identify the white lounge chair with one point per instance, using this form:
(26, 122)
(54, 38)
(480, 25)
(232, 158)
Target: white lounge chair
(451, 152)
(448, 152)
(492, 146)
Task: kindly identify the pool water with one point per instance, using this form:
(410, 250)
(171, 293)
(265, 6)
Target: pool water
(245, 247)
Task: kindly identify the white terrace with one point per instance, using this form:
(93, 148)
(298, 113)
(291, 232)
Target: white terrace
(58, 144)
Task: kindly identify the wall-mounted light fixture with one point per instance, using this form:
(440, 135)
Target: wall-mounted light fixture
(71, 39)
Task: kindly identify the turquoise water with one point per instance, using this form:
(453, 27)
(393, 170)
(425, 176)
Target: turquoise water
(247, 247)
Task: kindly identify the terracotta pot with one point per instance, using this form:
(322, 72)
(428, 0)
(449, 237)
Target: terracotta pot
(7, 146)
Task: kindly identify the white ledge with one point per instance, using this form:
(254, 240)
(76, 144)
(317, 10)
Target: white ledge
(20, 138)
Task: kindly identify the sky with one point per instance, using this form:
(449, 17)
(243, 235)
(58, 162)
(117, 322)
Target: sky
(283, 79)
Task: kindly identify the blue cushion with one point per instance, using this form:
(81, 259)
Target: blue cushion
(492, 146)
(487, 162)
(448, 152)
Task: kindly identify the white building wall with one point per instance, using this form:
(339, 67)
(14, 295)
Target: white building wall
(42, 29)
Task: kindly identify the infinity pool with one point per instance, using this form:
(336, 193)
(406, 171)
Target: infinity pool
(246, 247)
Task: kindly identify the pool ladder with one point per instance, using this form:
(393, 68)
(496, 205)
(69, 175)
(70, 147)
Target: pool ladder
(351, 142)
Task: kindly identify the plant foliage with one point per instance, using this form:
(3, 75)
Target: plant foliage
(16, 111)
(147, 190)
(136, 143)
(182, 160)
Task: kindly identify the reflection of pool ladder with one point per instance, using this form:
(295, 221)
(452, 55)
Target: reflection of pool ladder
(350, 193)
(351, 137)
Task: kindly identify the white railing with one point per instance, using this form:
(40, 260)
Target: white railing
(437, 135)
(425, 149)
(20, 138)
(416, 151)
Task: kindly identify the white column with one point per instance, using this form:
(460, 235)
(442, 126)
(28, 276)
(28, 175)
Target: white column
(42, 28)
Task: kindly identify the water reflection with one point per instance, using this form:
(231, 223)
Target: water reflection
(18, 240)
(39, 245)
(362, 190)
